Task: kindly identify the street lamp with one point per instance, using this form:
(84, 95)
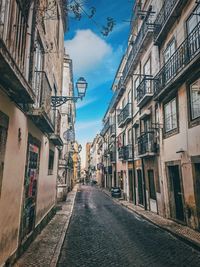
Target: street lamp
(81, 85)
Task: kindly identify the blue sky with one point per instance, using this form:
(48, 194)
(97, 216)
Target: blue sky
(96, 58)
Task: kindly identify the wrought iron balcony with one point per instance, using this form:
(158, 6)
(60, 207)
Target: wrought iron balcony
(144, 34)
(147, 144)
(182, 62)
(41, 112)
(12, 56)
(121, 153)
(144, 91)
(112, 130)
(165, 19)
(55, 137)
(125, 153)
(125, 115)
(128, 153)
(105, 128)
(118, 94)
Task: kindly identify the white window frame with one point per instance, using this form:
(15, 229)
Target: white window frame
(170, 119)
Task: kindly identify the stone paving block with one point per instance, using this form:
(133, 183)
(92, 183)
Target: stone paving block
(43, 250)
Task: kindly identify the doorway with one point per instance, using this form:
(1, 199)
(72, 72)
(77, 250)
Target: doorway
(152, 191)
(140, 188)
(130, 176)
(196, 168)
(30, 187)
(176, 193)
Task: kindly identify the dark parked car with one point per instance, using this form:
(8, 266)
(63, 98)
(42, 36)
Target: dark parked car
(116, 192)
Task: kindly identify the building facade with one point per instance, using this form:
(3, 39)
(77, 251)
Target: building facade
(156, 111)
(31, 67)
(68, 118)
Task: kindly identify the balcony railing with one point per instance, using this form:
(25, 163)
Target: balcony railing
(117, 95)
(121, 153)
(125, 115)
(105, 128)
(147, 144)
(55, 137)
(181, 61)
(125, 152)
(128, 155)
(13, 35)
(145, 32)
(144, 91)
(166, 17)
(42, 112)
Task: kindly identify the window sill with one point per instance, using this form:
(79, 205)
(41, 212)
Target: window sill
(170, 133)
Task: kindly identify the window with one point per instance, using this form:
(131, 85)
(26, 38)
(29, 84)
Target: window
(37, 81)
(51, 162)
(147, 71)
(170, 115)
(129, 97)
(147, 125)
(136, 84)
(123, 103)
(195, 99)
(169, 51)
(129, 137)
(147, 67)
(193, 20)
(3, 138)
(58, 28)
(137, 132)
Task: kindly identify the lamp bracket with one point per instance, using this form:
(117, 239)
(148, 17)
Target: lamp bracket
(57, 101)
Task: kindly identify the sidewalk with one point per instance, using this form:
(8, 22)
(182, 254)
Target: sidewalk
(45, 249)
(182, 232)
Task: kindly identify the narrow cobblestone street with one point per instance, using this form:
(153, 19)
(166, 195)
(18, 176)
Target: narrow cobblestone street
(102, 233)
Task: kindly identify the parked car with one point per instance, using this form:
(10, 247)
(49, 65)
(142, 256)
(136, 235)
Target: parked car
(116, 192)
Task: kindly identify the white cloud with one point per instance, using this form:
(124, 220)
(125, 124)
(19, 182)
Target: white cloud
(85, 102)
(120, 27)
(87, 125)
(87, 51)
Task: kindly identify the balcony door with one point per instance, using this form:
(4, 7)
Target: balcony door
(140, 188)
(37, 76)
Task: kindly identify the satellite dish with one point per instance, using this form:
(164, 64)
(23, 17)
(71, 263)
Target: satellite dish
(69, 135)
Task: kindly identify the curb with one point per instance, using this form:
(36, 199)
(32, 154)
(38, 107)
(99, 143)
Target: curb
(56, 254)
(183, 238)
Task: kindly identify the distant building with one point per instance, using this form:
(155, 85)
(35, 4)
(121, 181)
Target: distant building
(87, 158)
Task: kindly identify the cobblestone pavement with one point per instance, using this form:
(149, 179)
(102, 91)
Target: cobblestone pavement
(45, 249)
(103, 233)
(184, 232)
